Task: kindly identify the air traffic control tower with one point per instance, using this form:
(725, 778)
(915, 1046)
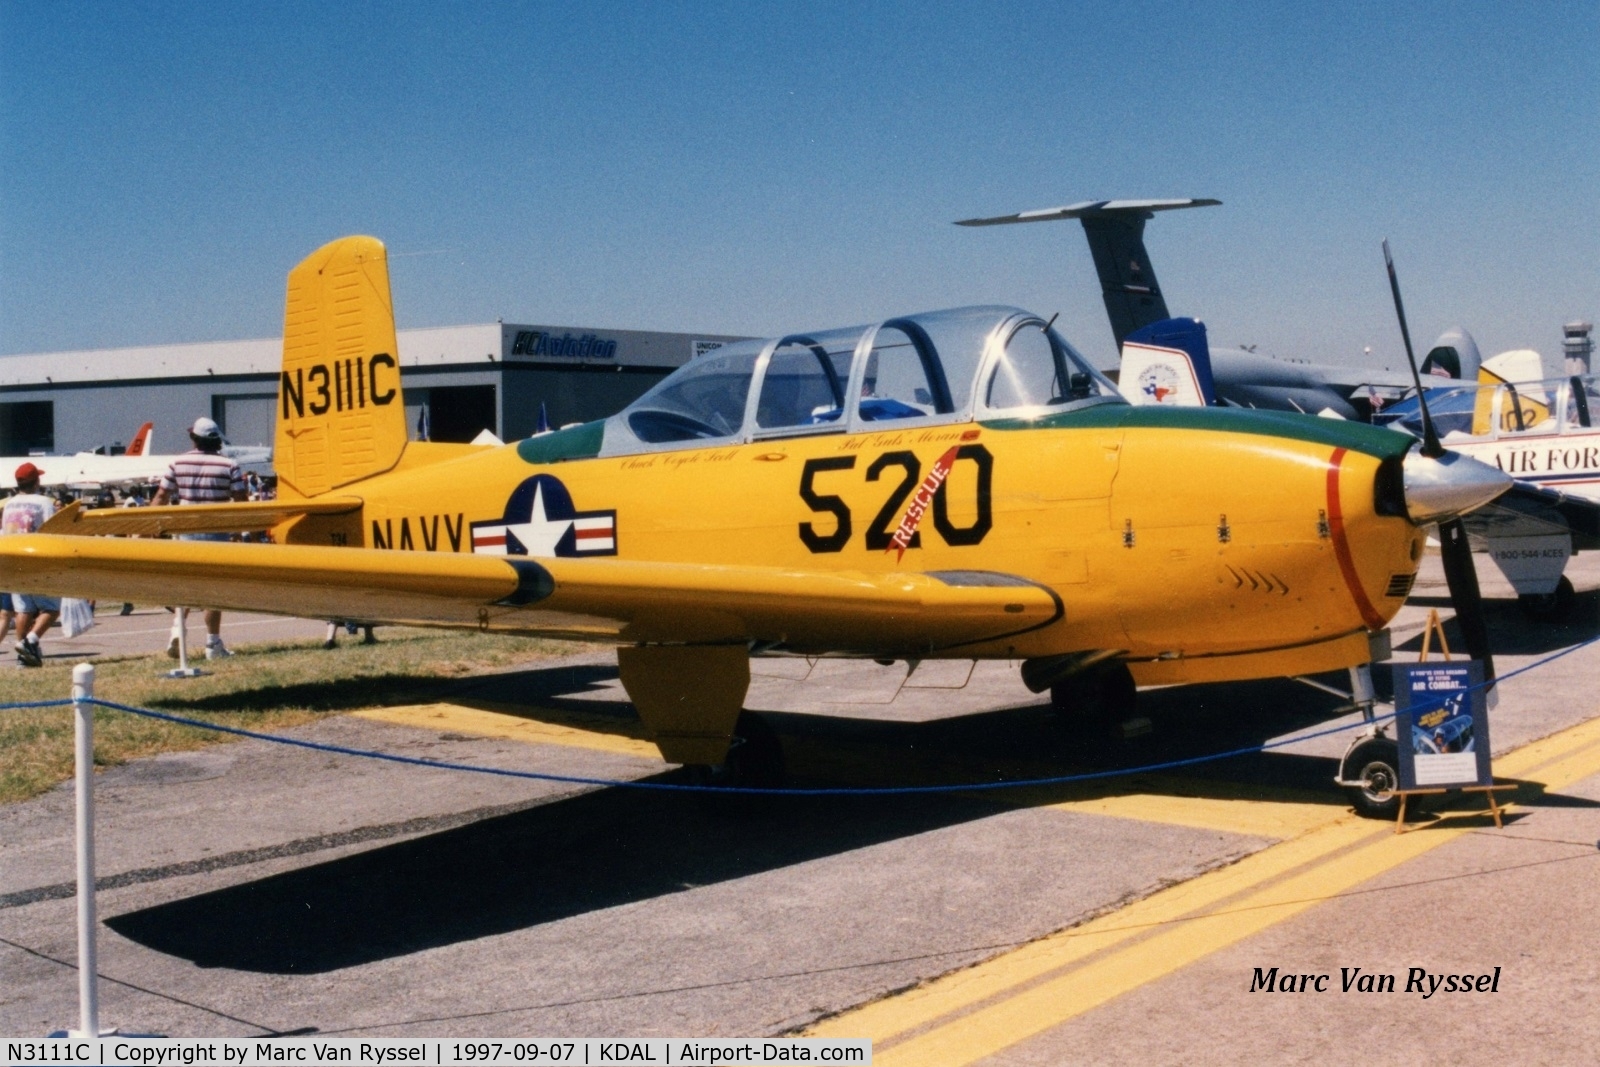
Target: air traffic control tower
(1579, 346)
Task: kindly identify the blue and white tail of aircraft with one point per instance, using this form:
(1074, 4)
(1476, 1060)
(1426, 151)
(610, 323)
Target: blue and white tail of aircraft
(1168, 362)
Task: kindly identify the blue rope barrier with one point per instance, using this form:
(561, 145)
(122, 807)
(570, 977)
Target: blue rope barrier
(827, 791)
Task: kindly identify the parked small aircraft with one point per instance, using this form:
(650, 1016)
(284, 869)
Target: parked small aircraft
(958, 484)
(136, 466)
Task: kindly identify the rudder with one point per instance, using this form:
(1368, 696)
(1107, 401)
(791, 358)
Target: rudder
(141, 440)
(341, 416)
(1169, 363)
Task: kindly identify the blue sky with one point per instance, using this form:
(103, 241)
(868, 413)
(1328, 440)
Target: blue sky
(757, 168)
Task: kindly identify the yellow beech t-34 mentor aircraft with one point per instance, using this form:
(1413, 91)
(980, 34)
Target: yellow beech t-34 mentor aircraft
(959, 484)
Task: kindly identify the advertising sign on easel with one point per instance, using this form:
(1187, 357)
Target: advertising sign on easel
(1442, 720)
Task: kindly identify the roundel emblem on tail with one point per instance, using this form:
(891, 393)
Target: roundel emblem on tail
(540, 519)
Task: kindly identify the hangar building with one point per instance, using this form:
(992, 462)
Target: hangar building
(466, 379)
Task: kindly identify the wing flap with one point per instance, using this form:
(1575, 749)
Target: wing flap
(235, 517)
(900, 614)
(801, 610)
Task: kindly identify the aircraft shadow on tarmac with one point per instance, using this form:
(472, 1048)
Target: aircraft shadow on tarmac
(535, 693)
(345, 694)
(609, 847)
(553, 687)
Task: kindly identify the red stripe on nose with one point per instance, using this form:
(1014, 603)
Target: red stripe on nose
(1341, 546)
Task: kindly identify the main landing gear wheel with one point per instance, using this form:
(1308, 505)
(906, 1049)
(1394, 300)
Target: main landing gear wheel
(1549, 607)
(1376, 765)
(755, 761)
(1102, 697)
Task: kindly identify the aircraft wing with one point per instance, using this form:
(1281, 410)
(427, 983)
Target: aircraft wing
(902, 614)
(235, 517)
(1528, 510)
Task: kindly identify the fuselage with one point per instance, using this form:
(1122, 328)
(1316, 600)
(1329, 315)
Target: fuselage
(1165, 533)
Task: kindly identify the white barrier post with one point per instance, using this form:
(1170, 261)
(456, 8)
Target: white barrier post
(83, 742)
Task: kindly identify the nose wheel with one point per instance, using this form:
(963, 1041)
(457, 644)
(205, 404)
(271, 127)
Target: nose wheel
(1370, 775)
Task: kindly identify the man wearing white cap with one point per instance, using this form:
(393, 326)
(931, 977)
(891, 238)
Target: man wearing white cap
(25, 512)
(202, 475)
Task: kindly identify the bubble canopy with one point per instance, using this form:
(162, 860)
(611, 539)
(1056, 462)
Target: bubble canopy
(927, 369)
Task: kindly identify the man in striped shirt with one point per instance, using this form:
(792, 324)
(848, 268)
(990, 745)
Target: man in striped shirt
(202, 475)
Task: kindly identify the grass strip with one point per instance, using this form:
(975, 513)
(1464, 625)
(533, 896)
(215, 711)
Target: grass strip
(262, 687)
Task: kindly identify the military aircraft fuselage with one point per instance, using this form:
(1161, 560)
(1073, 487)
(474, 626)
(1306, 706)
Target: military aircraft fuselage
(1167, 534)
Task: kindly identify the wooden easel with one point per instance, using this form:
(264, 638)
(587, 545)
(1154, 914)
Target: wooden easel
(1436, 627)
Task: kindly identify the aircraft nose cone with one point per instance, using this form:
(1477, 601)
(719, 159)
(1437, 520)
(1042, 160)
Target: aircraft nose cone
(1449, 485)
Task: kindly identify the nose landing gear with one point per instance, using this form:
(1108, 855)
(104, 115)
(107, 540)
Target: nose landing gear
(1370, 770)
(1370, 775)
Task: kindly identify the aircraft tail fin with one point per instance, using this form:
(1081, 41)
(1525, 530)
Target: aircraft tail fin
(1524, 406)
(1115, 229)
(141, 440)
(341, 417)
(1168, 362)
(1517, 365)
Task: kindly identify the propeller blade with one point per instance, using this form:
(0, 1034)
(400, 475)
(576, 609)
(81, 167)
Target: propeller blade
(1430, 437)
(1462, 579)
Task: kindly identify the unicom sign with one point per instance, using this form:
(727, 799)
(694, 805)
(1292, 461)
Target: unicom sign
(540, 343)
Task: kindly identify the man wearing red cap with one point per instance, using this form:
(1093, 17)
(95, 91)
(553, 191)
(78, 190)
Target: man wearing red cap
(25, 512)
(202, 475)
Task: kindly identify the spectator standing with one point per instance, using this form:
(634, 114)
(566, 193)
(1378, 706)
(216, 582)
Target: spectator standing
(202, 475)
(25, 512)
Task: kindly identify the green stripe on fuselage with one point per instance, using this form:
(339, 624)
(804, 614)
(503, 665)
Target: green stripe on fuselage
(1337, 433)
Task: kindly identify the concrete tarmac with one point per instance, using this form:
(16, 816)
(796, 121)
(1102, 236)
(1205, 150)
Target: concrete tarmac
(147, 630)
(251, 888)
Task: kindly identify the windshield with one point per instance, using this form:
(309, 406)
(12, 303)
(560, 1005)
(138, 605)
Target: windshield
(936, 367)
(1037, 368)
(806, 381)
(703, 400)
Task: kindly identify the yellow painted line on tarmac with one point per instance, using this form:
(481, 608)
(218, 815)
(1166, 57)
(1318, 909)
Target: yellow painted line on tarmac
(1259, 817)
(974, 1013)
(1050, 1003)
(552, 728)
(1575, 746)
(963, 989)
